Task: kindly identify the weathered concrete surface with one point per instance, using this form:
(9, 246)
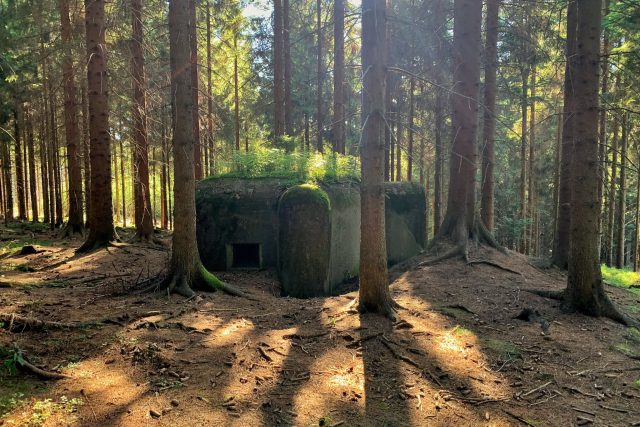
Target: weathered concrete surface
(310, 233)
(231, 210)
(405, 221)
(304, 243)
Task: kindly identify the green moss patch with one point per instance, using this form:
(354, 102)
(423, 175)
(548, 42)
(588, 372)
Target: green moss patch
(307, 193)
(505, 349)
(621, 278)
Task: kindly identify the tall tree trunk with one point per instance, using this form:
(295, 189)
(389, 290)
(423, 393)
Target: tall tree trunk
(25, 161)
(32, 168)
(43, 136)
(532, 240)
(319, 74)
(53, 199)
(602, 152)
(489, 131)
(116, 174)
(210, 139)
(57, 178)
(101, 216)
(278, 70)
(123, 185)
(164, 217)
(524, 100)
(412, 88)
(236, 88)
(560, 256)
(556, 174)
(186, 270)
(622, 197)
(86, 155)
(193, 46)
(439, 17)
(7, 181)
(612, 190)
(142, 198)
(461, 221)
(636, 232)
(585, 291)
(374, 283)
(307, 140)
(75, 222)
(338, 77)
(17, 122)
(388, 153)
(286, 39)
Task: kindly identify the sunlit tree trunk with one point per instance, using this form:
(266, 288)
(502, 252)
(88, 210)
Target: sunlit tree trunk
(236, 88)
(412, 88)
(86, 155)
(338, 77)
(560, 256)
(75, 222)
(32, 167)
(193, 46)
(101, 217)
(17, 121)
(142, 199)
(278, 70)
(532, 238)
(286, 45)
(374, 283)
(622, 196)
(320, 75)
(210, 139)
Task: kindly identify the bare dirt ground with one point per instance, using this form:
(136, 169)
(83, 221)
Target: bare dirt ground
(455, 357)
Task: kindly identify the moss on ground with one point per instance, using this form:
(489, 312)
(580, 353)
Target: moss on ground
(505, 349)
(621, 278)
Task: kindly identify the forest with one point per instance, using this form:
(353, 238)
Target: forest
(319, 213)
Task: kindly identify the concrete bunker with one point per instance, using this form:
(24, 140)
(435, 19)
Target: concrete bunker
(310, 233)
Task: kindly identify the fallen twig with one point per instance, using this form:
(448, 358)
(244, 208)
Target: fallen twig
(536, 389)
(493, 264)
(519, 418)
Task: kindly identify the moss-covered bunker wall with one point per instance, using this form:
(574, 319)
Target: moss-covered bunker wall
(310, 233)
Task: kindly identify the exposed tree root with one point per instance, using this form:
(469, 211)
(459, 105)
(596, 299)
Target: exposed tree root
(607, 308)
(493, 264)
(452, 253)
(25, 365)
(15, 322)
(69, 230)
(183, 284)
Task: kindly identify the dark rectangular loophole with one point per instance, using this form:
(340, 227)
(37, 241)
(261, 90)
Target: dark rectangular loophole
(246, 255)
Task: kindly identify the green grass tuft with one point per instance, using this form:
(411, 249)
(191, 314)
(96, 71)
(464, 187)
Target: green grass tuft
(506, 349)
(637, 384)
(625, 279)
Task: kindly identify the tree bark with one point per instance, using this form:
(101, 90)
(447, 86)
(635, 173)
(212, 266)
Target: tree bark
(560, 256)
(524, 100)
(532, 241)
(186, 270)
(17, 122)
(612, 190)
(101, 216)
(319, 74)
(75, 222)
(602, 152)
(193, 46)
(374, 284)
(123, 185)
(489, 131)
(286, 40)
(278, 70)
(86, 155)
(584, 291)
(461, 221)
(164, 217)
(32, 168)
(338, 77)
(412, 88)
(439, 17)
(142, 198)
(236, 88)
(622, 197)
(7, 181)
(210, 139)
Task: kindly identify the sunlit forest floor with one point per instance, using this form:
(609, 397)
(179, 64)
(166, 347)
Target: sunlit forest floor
(456, 356)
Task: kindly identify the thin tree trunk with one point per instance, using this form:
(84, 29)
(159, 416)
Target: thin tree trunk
(193, 46)
(116, 174)
(319, 74)
(142, 198)
(123, 185)
(388, 143)
(286, 38)
(374, 284)
(412, 88)
(524, 99)
(532, 241)
(278, 70)
(556, 174)
(636, 232)
(236, 88)
(164, 217)
(560, 256)
(86, 155)
(75, 222)
(44, 176)
(612, 190)
(622, 197)
(7, 181)
(17, 121)
(602, 152)
(489, 121)
(338, 77)
(32, 168)
(212, 149)
(101, 217)
(439, 17)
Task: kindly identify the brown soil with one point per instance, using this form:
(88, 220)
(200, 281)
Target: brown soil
(455, 357)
